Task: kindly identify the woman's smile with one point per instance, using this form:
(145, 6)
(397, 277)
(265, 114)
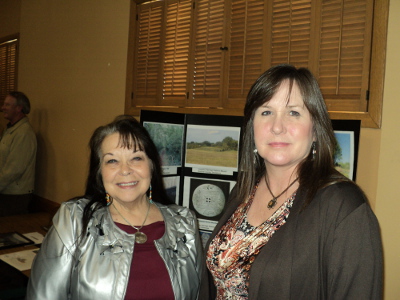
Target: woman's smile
(127, 184)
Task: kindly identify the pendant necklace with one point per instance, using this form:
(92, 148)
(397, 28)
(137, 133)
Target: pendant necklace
(272, 202)
(140, 237)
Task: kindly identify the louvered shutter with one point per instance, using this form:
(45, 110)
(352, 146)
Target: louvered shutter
(176, 53)
(344, 55)
(208, 56)
(247, 41)
(148, 53)
(8, 67)
(290, 32)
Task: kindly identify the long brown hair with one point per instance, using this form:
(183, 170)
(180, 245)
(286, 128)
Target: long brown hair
(314, 172)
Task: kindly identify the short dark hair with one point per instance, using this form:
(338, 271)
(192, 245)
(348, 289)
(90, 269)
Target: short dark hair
(132, 135)
(313, 172)
(22, 100)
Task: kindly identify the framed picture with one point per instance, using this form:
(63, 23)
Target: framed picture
(167, 132)
(212, 149)
(347, 134)
(206, 197)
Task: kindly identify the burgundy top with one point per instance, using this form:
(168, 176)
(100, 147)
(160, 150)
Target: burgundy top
(149, 278)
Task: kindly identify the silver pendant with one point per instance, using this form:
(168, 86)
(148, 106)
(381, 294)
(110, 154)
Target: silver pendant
(140, 237)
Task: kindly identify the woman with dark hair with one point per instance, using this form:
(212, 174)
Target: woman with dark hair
(124, 239)
(294, 227)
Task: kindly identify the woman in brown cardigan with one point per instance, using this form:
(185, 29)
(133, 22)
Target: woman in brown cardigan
(294, 227)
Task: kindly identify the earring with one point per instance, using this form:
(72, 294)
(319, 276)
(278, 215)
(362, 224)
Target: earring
(150, 194)
(255, 151)
(108, 199)
(314, 151)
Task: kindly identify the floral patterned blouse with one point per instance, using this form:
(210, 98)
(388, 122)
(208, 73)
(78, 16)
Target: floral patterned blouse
(235, 247)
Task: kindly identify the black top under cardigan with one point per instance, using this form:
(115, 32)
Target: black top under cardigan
(330, 250)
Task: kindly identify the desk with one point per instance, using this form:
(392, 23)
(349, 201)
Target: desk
(25, 223)
(13, 282)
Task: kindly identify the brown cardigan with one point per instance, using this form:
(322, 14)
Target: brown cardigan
(330, 250)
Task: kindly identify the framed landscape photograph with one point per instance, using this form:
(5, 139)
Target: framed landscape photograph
(215, 148)
(347, 134)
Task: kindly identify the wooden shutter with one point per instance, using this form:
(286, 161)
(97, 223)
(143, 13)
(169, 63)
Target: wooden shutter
(290, 35)
(345, 53)
(208, 56)
(247, 32)
(176, 53)
(8, 67)
(330, 37)
(147, 61)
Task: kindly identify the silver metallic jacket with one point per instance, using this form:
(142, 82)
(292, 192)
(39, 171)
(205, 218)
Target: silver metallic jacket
(99, 268)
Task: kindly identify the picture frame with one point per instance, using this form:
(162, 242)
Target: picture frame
(347, 133)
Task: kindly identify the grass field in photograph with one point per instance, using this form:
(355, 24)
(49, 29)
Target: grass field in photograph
(212, 156)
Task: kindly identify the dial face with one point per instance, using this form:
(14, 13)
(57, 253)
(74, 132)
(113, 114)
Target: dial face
(208, 200)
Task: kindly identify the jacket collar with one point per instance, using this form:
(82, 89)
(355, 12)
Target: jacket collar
(12, 127)
(112, 239)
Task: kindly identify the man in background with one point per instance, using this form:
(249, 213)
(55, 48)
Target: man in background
(17, 156)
